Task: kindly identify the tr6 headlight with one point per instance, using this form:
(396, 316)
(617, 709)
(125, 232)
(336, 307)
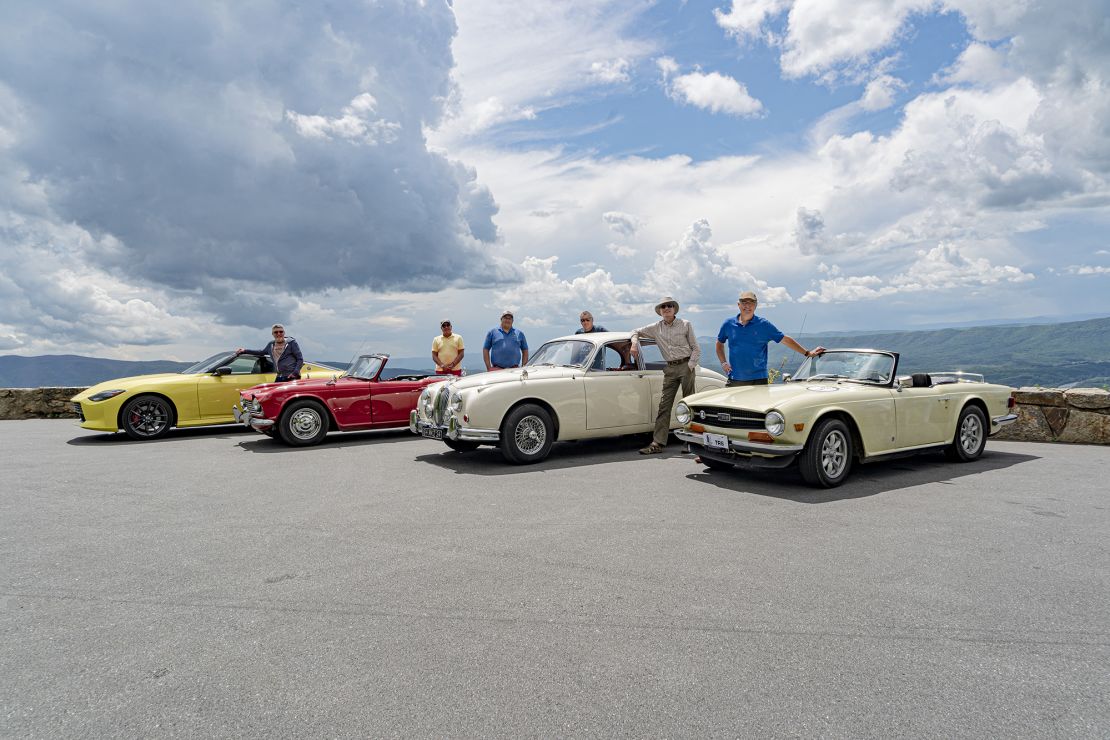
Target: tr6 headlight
(774, 423)
(682, 413)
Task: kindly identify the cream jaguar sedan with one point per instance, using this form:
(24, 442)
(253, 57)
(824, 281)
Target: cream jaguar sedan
(576, 387)
(843, 407)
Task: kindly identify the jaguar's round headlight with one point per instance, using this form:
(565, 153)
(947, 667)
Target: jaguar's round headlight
(682, 413)
(775, 424)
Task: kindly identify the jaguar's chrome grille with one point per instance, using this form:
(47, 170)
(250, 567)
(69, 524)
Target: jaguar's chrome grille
(725, 417)
(439, 411)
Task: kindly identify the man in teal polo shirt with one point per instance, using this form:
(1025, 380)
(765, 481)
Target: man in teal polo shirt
(747, 336)
(504, 345)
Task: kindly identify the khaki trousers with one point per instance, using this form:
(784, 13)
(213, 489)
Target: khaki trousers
(674, 376)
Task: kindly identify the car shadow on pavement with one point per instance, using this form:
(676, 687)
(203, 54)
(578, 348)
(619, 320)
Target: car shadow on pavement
(864, 480)
(488, 460)
(228, 431)
(263, 444)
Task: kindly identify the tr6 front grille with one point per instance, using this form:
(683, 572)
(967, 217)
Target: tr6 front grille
(729, 418)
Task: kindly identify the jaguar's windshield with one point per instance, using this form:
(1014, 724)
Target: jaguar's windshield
(855, 365)
(569, 352)
(207, 366)
(365, 367)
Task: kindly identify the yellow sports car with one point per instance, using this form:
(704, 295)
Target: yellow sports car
(146, 406)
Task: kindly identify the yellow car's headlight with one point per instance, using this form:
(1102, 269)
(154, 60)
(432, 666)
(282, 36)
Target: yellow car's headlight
(682, 413)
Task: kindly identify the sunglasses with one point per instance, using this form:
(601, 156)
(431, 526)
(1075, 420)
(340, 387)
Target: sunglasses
(278, 332)
(444, 326)
(583, 321)
(667, 305)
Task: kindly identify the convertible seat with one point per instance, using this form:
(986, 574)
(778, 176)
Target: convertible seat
(921, 380)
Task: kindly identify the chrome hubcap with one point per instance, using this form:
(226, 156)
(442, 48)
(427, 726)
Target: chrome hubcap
(149, 417)
(971, 434)
(530, 435)
(834, 454)
(305, 423)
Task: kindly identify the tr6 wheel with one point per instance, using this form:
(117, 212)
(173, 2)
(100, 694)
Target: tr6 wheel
(303, 423)
(971, 436)
(147, 417)
(827, 458)
(527, 435)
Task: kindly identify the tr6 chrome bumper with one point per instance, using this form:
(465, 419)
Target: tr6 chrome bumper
(1001, 421)
(736, 445)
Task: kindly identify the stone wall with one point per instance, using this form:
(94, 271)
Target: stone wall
(1079, 415)
(37, 403)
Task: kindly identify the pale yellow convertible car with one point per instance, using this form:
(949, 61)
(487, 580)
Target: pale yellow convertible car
(576, 387)
(841, 407)
(147, 406)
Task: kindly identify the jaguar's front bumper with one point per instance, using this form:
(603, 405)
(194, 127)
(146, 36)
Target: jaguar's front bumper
(452, 430)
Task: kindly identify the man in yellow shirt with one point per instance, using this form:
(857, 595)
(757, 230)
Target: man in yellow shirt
(447, 351)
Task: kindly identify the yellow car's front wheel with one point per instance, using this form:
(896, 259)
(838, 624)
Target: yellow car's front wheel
(147, 417)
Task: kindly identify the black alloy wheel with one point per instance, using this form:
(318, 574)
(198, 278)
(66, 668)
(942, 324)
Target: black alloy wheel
(147, 417)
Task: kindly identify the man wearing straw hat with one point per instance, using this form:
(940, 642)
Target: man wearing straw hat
(679, 346)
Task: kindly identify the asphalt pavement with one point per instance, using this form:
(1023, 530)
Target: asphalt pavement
(218, 584)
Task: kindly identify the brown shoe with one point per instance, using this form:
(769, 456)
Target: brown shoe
(652, 449)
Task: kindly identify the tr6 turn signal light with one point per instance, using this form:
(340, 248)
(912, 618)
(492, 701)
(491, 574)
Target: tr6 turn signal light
(695, 428)
(760, 437)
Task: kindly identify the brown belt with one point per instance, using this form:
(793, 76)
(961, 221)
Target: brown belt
(678, 362)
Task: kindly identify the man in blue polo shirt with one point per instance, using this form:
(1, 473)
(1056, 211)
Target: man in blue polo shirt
(747, 336)
(504, 345)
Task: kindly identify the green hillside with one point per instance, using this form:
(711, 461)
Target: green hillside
(1075, 353)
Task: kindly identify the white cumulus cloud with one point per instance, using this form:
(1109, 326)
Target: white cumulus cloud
(713, 91)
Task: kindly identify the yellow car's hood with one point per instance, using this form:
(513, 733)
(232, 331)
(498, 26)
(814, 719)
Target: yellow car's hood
(763, 398)
(136, 381)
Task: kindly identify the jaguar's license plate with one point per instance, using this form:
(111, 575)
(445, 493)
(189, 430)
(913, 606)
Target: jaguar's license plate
(716, 441)
(432, 432)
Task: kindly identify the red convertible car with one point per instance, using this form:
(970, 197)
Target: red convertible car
(301, 412)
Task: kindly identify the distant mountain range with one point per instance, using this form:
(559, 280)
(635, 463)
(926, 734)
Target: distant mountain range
(1071, 354)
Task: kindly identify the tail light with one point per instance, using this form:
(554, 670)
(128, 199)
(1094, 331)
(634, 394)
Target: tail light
(1011, 402)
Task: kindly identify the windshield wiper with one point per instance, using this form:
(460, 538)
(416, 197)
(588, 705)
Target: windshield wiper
(825, 376)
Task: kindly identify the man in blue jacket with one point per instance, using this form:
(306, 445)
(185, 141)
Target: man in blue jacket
(285, 353)
(747, 336)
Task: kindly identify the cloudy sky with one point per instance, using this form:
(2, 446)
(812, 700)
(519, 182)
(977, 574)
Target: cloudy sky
(175, 178)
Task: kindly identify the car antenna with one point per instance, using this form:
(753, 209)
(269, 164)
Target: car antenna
(778, 373)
